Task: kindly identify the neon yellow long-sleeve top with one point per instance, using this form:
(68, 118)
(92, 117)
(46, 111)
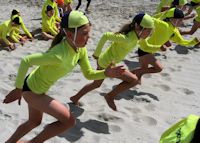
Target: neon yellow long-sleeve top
(162, 33)
(163, 3)
(197, 18)
(54, 6)
(15, 32)
(120, 47)
(54, 64)
(68, 1)
(5, 29)
(49, 25)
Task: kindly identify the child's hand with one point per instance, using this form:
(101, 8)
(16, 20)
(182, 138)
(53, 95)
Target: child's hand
(13, 95)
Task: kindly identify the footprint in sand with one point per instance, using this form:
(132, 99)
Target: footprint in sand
(12, 77)
(186, 91)
(147, 120)
(163, 87)
(150, 107)
(166, 76)
(172, 69)
(109, 117)
(134, 110)
(115, 128)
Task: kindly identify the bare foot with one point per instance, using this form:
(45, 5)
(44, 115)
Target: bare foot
(110, 102)
(74, 100)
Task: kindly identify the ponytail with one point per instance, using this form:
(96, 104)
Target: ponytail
(57, 39)
(127, 28)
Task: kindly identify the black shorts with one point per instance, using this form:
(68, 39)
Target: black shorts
(25, 87)
(141, 53)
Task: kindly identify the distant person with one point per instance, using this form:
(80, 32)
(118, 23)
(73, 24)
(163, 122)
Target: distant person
(15, 34)
(195, 4)
(5, 29)
(67, 5)
(49, 28)
(53, 4)
(87, 6)
(61, 5)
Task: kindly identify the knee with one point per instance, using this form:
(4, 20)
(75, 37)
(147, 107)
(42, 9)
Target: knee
(69, 121)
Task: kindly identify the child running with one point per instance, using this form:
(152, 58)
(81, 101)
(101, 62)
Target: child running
(195, 4)
(169, 32)
(67, 50)
(123, 42)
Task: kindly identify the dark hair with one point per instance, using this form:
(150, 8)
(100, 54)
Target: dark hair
(175, 3)
(61, 34)
(63, 25)
(14, 12)
(178, 13)
(131, 26)
(49, 8)
(16, 20)
(193, 4)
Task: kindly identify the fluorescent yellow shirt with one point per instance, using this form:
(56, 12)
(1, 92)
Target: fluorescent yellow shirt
(54, 6)
(162, 4)
(197, 18)
(15, 32)
(162, 33)
(49, 25)
(68, 1)
(181, 132)
(5, 29)
(120, 47)
(54, 64)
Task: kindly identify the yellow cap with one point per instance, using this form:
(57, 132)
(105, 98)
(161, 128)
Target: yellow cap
(77, 19)
(195, 1)
(147, 21)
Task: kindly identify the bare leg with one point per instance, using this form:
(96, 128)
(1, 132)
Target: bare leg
(79, 4)
(47, 36)
(88, 4)
(144, 62)
(87, 88)
(35, 118)
(129, 80)
(46, 104)
(194, 28)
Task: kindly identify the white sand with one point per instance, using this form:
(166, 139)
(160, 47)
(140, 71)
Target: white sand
(144, 111)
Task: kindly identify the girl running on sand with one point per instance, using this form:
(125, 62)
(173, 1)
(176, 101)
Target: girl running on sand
(67, 50)
(123, 42)
(169, 32)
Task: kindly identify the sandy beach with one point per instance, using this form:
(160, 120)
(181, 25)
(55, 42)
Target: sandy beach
(144, 112)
